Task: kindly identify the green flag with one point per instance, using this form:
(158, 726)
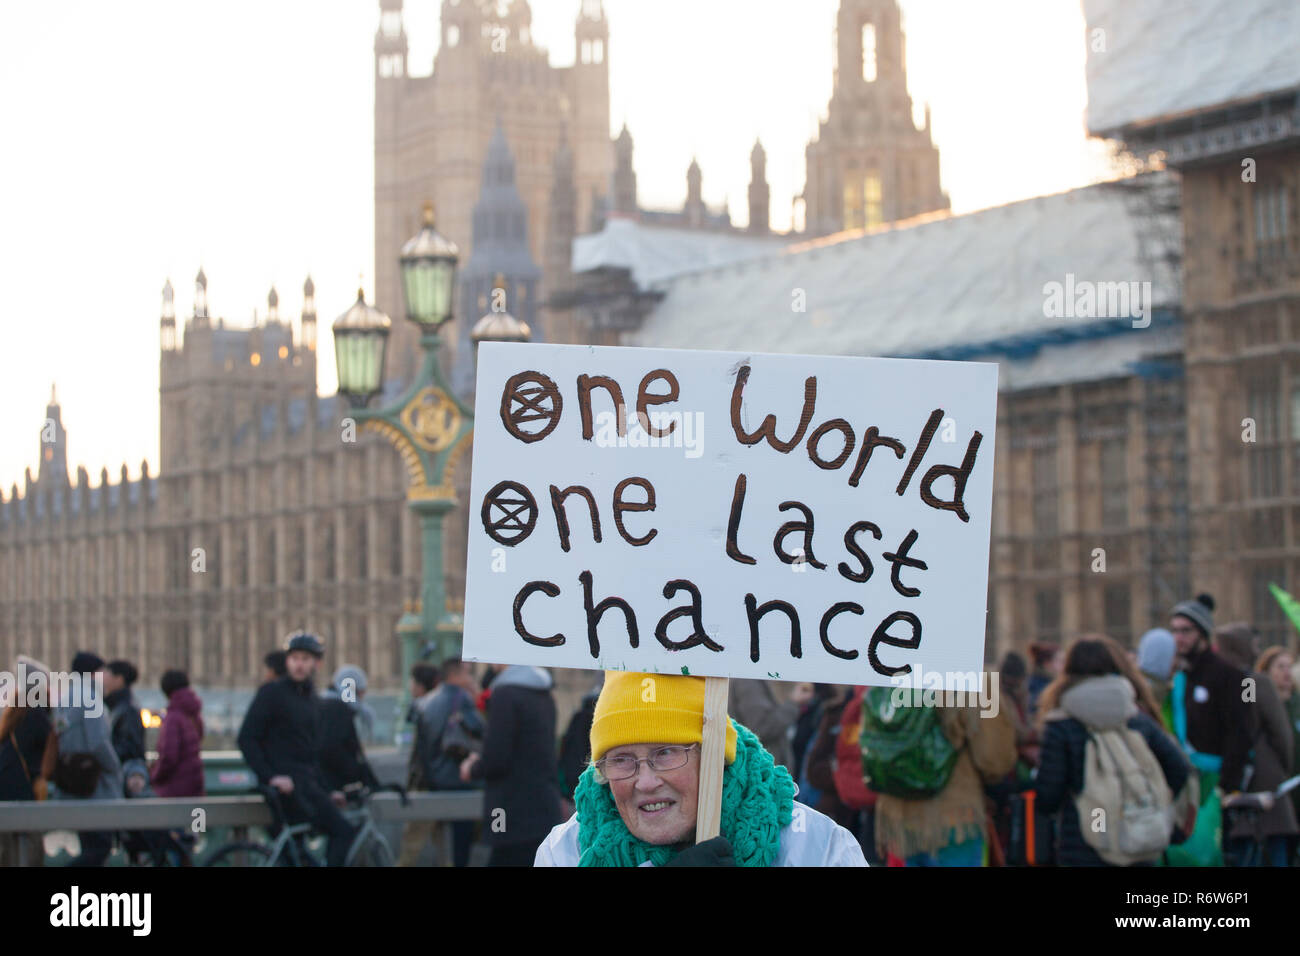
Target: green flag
(1289, 604)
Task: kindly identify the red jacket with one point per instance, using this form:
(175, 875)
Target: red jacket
(179, 770)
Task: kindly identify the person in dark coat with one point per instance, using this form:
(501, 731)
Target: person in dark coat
(418, 833)
(24, 729)
(128, 729)
(1220, 724)
(521, 797)
(1275, 828)
(128, 742)
(805, 730)
(575, 747)
(819, 768)
(343, 762)
(440, 756)
(178, 771)
(1091, 694)
(273, 666)
(1046, 660)
(1276, 664)
(280, 740)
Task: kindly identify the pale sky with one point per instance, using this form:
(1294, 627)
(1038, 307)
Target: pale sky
(146, 138)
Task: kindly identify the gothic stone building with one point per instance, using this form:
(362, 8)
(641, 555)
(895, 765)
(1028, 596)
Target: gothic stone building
(265, 517)
(432, 133)
(1090, 414)
(1114, 438)
(1230, 128)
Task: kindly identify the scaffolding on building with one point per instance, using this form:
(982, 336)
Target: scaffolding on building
(1153, 196)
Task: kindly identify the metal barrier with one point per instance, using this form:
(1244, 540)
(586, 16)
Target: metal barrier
(249, 810)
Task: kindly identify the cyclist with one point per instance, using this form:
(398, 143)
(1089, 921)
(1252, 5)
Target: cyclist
(280, 739)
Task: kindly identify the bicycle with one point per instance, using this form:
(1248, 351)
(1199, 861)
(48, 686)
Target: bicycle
(289, 847)
(1242, 812)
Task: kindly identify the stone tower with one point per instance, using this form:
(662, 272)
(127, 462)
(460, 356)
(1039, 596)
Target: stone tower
(693, 211)
(214, 379)
(623, 186)
(561, 228)
(432, 133)
(501, 247)
(870, 163)
(53, 469)
(759, 195)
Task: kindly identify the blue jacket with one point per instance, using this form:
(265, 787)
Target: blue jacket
(82, 730)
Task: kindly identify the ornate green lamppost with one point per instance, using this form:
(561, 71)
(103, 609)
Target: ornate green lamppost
(430, 428)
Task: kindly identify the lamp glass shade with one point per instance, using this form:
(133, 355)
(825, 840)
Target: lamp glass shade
(359, 354)
(428, 282)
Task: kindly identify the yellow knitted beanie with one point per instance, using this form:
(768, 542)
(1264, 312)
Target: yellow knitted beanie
(651, 709)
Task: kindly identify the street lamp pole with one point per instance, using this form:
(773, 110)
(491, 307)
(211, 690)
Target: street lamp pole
(427, 424)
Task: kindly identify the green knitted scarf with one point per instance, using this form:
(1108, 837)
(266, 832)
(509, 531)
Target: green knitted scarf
(757, 804)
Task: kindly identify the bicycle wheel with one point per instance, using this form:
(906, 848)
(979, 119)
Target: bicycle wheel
(373, 852)
(239, 854)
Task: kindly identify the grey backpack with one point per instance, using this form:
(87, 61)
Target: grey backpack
(1125, 808)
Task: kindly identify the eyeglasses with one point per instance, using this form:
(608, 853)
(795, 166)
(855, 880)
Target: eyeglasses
(623, 766)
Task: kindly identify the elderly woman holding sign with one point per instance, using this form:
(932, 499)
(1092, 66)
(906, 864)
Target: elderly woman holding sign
(636, 803)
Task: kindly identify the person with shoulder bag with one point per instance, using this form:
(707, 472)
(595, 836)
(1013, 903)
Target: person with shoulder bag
(1108, 770)
(23, 734)
(79, 758)
(929, 765)
(451, 730)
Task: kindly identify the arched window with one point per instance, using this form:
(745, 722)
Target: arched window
(869, 52)
(852, 205)
(872, 201)
(453, 35)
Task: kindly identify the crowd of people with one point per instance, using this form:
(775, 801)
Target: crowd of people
(1177, 752)
(91, 746)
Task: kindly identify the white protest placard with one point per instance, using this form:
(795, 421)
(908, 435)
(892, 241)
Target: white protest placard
(791, 517)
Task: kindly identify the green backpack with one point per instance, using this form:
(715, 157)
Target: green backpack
(905, 752)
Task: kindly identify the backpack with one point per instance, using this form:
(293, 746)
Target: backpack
(1124, 790)
(905, 752)
(853, 793)
(77, 774)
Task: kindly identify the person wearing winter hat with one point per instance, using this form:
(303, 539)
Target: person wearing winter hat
(1155, 659)
(343, 760)
(280, 740)
(636, 802)
(349, 686)
(1212, 721)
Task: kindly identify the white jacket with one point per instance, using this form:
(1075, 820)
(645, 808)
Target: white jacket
(811, 839)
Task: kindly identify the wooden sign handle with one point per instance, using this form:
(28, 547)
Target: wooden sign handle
(713, 760)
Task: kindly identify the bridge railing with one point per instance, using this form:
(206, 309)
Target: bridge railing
(237, 811)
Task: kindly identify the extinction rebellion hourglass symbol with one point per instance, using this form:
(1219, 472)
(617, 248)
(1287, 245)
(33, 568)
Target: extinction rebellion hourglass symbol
(509, 513)
(529, 398)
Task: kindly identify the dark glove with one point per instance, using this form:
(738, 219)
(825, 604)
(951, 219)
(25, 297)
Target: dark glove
(715, 852)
